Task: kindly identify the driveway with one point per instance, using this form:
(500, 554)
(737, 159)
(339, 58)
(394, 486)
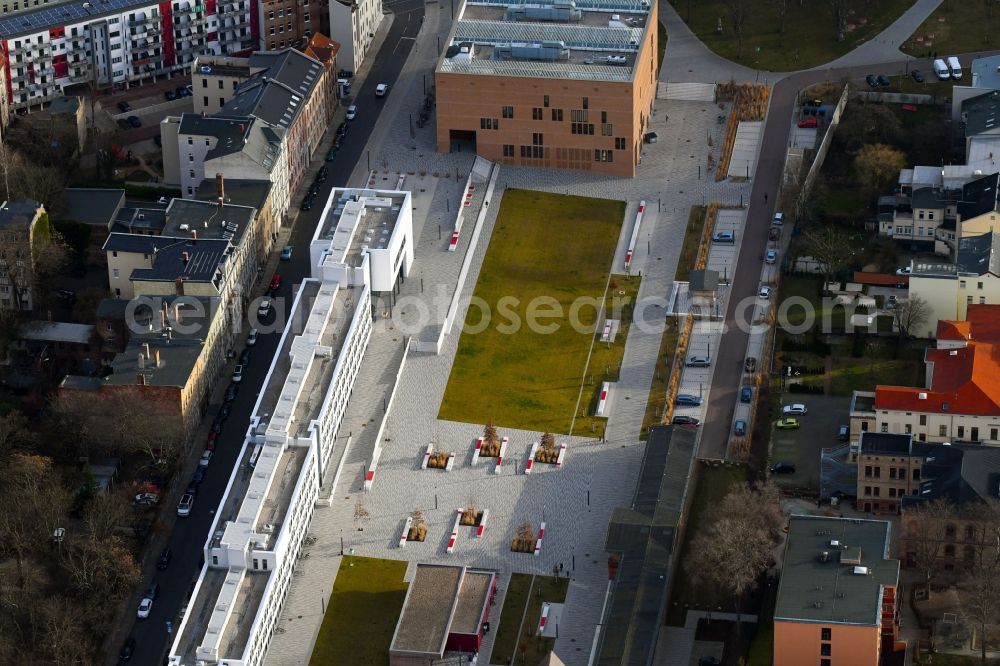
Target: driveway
(803, 447)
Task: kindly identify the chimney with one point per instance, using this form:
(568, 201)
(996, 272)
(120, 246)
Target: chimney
(140, 379)
(243, 128)
(142, 361)
(145, 347)
(185, 257)
(179, 286)
(157, 356)
(220, 186)
(194, 234)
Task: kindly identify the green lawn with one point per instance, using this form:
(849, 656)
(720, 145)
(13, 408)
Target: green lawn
(606, 359)
(712, 484)
(533, 649)
(809, 38)
(661, 378)
(544, 246)
(513, 610)
(967, 26)
(692, 241)
(364, 607)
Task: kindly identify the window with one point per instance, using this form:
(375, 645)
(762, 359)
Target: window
(537, 139)
(620, 143)
(876, 491)
(586, 102)
(190, 157)
(970, 533)
(206, 100)
(255, 563)
(607, 129)
(508, 150)
(878, 472)
(923, 419)
(115, 273)
(974, 434)
(907, 428)
(489, 123)
(557, 115)
(220, 84)
(982, 300)
(603, 155)
(824, 662)
(942, 431)
(545, 101)
(864, 426)
(885, 427)
(961, 284)
(826, 634)
(979, 286)
(191, 173)
(222, 101)
(916, 474)
(892, 472)
(263, 565)
(578, 116)
(190, 141)
(824, 649)
(868, 490)
(582, 128)
(868, 471)
(961, 432)
(949, 532)
(949, 550)
(968, 300)
(993, 433)
(507, 112)
(536, 113)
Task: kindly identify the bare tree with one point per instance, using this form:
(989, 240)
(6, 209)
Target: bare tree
(925, 537)
(980, 595)
(27, 491)
(828, 246)
(910, 314)
(15, 433)
(734, 548)
(739, 12)
(781, 7)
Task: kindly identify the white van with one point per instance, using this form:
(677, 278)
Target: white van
(955, 66)
(941, 70)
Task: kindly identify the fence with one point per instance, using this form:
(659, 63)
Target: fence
(824, 148)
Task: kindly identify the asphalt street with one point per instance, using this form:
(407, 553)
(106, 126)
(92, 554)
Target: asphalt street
(189, 535)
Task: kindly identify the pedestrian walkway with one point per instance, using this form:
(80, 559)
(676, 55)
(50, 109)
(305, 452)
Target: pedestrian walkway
(884, 47)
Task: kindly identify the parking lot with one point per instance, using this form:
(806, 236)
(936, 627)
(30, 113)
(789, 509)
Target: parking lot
(803, 447)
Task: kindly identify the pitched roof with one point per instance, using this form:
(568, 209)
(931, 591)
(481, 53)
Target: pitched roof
(18, 214)
(978, 197)
(97, 207)
(278, 93)
(322, 48)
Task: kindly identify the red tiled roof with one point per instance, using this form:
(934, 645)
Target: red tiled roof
(965, 380)
(322, 48)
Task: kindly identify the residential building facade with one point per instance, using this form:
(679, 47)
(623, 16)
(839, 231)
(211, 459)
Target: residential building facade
(353, 24)
(19, 221)
(114, 43)
(290, 22)
(836, 603)
(563, 85)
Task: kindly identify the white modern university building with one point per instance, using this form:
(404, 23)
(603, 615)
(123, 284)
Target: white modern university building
(288, 457)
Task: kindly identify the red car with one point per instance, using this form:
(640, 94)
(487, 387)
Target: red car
(808, 122)
(275, 282)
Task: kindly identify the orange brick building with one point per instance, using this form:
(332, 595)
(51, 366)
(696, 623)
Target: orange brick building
(836, 602)
(568, 85)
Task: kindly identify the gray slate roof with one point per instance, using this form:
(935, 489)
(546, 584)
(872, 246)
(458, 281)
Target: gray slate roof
(278, 93)
(16, 215)
(97, 207)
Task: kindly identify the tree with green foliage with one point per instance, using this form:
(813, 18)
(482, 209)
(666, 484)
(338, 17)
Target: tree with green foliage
(877, 165)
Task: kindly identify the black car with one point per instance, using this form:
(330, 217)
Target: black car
(153, 591)
(245, 356)
(917, 76)
(224, 412)
(128, 649)
(782, 468)
(170, 95)
(321, 174)
(182, 92)
(192, 488)
(872, 81)
(65, 294)
(306, 204)
(134, 121)
(199, 475)
(124, 107)
(750, 365)
(685, 420)
(217, 425)
(158, 140)
(231, 392)
(883, 81)
(313, 189)
(342, 129)
(346, 74)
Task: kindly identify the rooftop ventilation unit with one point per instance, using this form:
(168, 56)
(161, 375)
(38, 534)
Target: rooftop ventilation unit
(860, 571)
(557, 11)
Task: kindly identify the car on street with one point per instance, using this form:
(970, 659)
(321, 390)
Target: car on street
(787, 423)
(145, 607)
(231, 392)
(245, 356)
(184, 506)
(685, 421)
(163, 201)
(872, 81)
(134, 121)
(764, 292)
(904, 271)
(252, 337)
(746, 394)
(381, 90)
(170, 95)
(128, 649)
(773, 234)
(808, 122)
(65, 294)
(778, 219)
(331, 154)
(198, 476)
(124, 107)
(164, 560)
(650, 137)
(286, 252)
(740, 428)
(275, 282)
(217, 427)
(342, 129)
(182, 91)
(750, 365)
(238, 374)
(771, 257)
(153, 592)
(782, 468)
(306, 204)
(345, 74)
(798, 408)
(917, 76)
(883, 81)
(322, 174)
(264, 308)
(699, 361)
(206, 458)
(352, 112)
(687, 400)
(815, 102)
(225, 410)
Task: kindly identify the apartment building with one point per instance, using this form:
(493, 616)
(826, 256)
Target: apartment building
(114, 42)
(19, 221)
(960, 400)
(568, 85)
(836, 603)
(290, 22)
(292, 446)
(214, 80)
(353, 24)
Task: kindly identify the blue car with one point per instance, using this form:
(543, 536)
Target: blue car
(286, 253)
(687, 400)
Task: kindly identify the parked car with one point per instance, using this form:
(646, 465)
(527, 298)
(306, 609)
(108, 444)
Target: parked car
(904, 271)
(883, 81)
(210, 444)
(306, 204)
(764, 292)
(275, 282)
(685, 421)
(206, 458)
(286, 252)
(134, 121)
(170, 95)
(687, 400)
(773, 234)
(724, 237)
(252, 337)
(145, 606)
(231, 392)
(787, 423)
(381, 90)
(264, 308)
(182, 91)
(128, 649)
(798, 408)
(224, 411)
(872, 81)
(217, 426)
(750, 365)
(198, 476)
(321, 174)
(153, 592)
(778, 219)
(124, 107)
(783, 468)
(808, 122)
(164, 561)
(771, 257)
(146, 499)
(917, 76)
(245, 356)
(65, 294)
(184, 506)
(813, 103)
(345, 74)
(238, 374)
(331, 154)
(740, 428)
(650, 137)
(699, 361)
(746, 394)
(352, 112)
